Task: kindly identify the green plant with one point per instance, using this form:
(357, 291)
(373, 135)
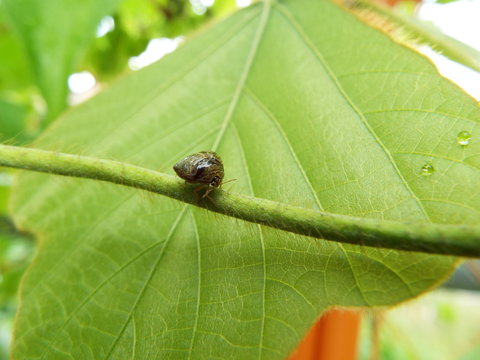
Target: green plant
(308, 106)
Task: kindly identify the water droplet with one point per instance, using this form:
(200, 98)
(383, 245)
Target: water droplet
(427, 169)
(463, 138)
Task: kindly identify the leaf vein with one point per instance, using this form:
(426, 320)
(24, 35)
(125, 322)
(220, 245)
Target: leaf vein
(284, 136)
(89, 230)
(149, 278)
(199, 289)
(245, 73)
(262, 242)
(380, 111)
(294, 24)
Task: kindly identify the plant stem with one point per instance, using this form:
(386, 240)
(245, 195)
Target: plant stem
(460, 240)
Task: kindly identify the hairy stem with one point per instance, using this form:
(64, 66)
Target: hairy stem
(457, 240)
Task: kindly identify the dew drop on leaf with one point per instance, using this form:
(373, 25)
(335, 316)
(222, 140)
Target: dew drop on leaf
(427, 169)
(463, 138)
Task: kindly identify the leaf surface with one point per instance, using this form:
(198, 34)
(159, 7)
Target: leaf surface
(306, 105)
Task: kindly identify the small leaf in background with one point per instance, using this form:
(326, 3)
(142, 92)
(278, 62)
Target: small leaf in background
(14, 71)
(17, 118)
(55, 34)
(16, 250)
(306, 105)
(407, 28)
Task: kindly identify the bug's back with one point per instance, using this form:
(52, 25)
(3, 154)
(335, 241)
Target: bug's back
(204, 168)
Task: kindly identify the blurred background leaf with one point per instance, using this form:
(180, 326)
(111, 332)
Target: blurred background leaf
(442, 325)
(55, 34)
(409, 29)
(16, 250)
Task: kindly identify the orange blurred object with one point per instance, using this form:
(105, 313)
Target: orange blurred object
(333, 337)
(392, 3)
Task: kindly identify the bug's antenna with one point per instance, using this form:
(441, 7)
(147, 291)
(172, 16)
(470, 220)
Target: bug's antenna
(223, 183)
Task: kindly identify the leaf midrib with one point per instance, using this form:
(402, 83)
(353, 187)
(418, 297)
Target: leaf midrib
(227, 120)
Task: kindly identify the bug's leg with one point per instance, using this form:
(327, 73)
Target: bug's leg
(208, 192)
(197, 195)
(197, 189)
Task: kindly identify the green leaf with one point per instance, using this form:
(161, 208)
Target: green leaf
(14, 72)
(307, 106)
(16, 250)
(55, 35)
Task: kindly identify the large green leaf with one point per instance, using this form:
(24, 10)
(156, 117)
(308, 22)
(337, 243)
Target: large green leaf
(55, 34)
(307, 106)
